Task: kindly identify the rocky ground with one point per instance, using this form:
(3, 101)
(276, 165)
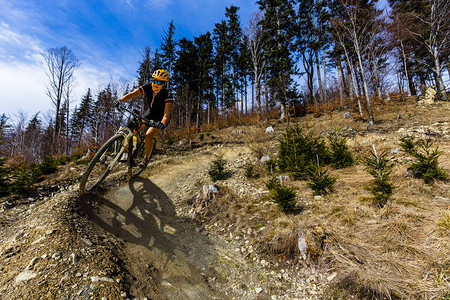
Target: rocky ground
(153, 238)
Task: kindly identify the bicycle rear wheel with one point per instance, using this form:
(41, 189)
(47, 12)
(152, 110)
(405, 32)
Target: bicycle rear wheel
(100, 165)
(135, 158)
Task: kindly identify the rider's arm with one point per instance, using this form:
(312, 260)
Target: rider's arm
(167, 112)
(130, 96)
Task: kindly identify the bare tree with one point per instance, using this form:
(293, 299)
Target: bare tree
(60, 64)
(433, 32)
(361, 23)
(254, 34)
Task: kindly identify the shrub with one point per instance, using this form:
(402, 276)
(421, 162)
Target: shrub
(4, 171)
(270, 165)
(380, 167)
(299, 150)
(23, 179)
(250, 171)
(426, 163)
(320, 181)
(217, 169)
(339, 154)
(48, 165)
(282, 195)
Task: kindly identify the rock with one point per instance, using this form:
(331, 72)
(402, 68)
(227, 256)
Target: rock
(98, 278)
(258, 290)
(302, 245)
(33, 262)
(264, 159)
(442, 199)
(208, 191)
(25, 275)
(87, 241)
(332, 276)
(48, 232)
(269, 129)
(74, 258)
(428, 97)
(395, 150)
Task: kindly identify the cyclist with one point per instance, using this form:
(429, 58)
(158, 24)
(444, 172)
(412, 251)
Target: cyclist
(160, 103)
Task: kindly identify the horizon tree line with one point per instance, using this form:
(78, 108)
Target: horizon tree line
(345, 51)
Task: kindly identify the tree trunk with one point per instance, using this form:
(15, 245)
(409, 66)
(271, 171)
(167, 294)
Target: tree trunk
(324, 73)
(319, 79)
(405, 66)
(364, 83)
(352, 82)
(341, 93)
(439, 82)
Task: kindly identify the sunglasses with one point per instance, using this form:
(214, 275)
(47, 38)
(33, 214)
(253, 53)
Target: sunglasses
(159, 82)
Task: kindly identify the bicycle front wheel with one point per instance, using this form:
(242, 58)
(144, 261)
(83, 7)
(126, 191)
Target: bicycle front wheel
(102, 164)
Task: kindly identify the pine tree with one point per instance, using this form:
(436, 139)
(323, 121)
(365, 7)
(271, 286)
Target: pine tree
(82, 118)
(33, 139)
(278, 27)
(168, 44)
(205, 93)
(145, 66)
(222, 64)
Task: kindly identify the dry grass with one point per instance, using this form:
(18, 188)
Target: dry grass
(400, 251)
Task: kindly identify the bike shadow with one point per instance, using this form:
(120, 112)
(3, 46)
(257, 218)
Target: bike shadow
(143, 214)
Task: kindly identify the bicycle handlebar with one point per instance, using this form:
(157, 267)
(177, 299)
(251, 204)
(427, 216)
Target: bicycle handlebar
(151, 123)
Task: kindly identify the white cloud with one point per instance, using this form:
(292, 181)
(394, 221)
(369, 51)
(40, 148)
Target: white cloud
(158, 4)
(22, 88)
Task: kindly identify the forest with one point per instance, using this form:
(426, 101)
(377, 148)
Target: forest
(293, 57)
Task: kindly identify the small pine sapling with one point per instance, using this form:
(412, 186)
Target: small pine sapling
(217, 169)
(426, 163)
(319, 180)
(339, 152)
(380, 167)
(283, 196)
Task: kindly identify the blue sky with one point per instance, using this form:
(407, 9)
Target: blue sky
(106, 36)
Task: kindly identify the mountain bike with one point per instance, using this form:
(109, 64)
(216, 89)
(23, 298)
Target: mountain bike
(126, 147)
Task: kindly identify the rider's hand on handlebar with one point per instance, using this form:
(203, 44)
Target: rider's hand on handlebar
(159, 125)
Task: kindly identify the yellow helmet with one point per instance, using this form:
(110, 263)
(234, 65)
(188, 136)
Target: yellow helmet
(161, 75)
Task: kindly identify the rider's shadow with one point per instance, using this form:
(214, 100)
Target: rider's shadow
(143, 214)
(141, 217)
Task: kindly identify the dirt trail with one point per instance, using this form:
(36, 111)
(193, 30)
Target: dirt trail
(161, 246)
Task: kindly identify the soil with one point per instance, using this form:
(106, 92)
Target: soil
(143, 239)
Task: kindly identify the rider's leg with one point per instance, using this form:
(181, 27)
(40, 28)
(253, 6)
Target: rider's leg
(149, 135)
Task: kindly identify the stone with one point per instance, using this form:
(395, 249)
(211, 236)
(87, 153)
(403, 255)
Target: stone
(302, 247)
(258, 290)
(331, 276)
(428, 97)
(33, 262)
(75, 258)
(87, 241)
(264, 159)
(98, 278)
(25, 275)
(269, 129)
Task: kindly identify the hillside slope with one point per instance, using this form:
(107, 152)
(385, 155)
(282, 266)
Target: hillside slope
(151, 238)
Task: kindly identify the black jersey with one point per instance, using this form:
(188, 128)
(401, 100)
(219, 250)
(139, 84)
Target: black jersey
(156, 105)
